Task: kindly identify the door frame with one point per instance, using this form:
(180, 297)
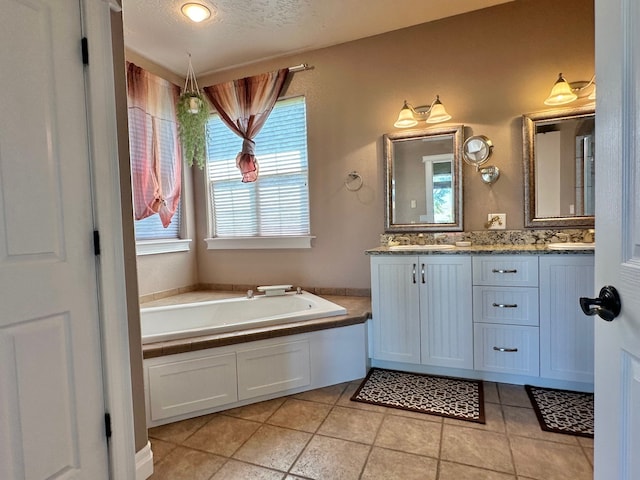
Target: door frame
(103, 138)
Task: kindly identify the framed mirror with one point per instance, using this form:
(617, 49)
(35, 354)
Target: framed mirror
(559, 168)
(423, 180)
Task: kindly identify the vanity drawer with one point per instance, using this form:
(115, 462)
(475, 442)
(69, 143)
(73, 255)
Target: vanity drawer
(507, 305)
(505, 270)
(506, 349)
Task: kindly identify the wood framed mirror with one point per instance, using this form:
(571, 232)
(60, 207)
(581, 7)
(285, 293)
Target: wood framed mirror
(423, 180)
(559, 168)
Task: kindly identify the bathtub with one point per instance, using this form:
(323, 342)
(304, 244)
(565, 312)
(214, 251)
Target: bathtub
(218, 316)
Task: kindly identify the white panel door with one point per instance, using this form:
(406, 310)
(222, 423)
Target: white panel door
(617, 364)
(395, 302)
(51, 396)
(445, 311)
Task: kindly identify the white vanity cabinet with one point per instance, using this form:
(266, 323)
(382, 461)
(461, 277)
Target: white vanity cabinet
(566, 333)
(505, 314)
(422, 309)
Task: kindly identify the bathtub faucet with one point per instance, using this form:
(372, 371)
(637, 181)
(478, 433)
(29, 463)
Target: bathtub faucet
(299, 291)
(249, 293)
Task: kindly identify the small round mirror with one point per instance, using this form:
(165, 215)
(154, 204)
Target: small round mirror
(477, 150)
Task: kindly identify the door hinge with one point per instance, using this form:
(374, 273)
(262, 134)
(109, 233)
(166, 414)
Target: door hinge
(107, 425)
(85, 51)
(96, 242)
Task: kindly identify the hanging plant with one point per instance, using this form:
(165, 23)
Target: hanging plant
(192, 113)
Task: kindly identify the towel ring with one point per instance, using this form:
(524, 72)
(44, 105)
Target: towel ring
(353, 183)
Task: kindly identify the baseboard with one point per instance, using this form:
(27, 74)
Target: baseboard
(144, 463)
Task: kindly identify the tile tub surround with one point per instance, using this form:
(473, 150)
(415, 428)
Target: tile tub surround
(358, 311)
(492, 237)
(321, 434)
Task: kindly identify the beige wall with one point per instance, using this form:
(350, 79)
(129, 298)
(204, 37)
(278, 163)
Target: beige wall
(489, 67)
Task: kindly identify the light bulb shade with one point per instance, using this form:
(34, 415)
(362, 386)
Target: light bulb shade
(561, 93)
(195, 12)
(437, 113)
(405, 118)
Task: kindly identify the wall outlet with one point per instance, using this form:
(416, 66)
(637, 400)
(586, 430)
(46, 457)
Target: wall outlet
(497, 221)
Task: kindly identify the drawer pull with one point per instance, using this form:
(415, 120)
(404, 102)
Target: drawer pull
(505, 305)
(495, 270)
(503, 349)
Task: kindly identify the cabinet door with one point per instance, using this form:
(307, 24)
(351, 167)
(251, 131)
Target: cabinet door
(445, 310)
(189, 385)
(395, 304)
(566, 334)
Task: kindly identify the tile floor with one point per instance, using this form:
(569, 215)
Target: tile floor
(322, 435)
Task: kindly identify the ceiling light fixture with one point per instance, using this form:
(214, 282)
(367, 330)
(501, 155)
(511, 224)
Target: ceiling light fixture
(195, 12)
(410, 116)
(564, 92)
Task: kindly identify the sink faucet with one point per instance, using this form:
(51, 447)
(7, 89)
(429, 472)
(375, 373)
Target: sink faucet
(589, 236)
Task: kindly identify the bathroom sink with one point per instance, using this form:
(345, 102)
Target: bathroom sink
(571, 246)
(422, 247)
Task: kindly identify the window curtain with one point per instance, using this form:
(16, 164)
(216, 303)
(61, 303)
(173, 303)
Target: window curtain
(244, 105)
(156, 159)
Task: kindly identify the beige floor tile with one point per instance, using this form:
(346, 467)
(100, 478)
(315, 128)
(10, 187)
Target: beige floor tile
(258, 412)
(222, 435)
(234, 470)
(351, 424)
(345, 400)
(585, 441)
(300, 415)
(187, 464)
(273, 447)
(329, 395)
(523, 422)
(177, 432)
(409, 435)
(161, 449)
(328, 458)
(544, 460)
(490, 390)
(493, 419)
(478, 448)
(416, 415)
(386, 464)
(455, 471)
(514, 395)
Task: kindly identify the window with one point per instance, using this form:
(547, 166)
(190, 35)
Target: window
(277, 204)
(155, 162)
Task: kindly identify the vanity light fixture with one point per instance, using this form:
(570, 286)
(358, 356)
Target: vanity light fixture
(564, 92)
(195, 12)
(410, 116)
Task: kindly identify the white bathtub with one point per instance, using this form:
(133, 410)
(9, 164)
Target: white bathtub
(218, 316)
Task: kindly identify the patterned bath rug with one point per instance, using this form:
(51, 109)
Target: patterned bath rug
(563, 411)
(444, 396)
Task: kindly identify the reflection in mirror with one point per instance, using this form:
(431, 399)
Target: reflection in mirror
(559, 168)
(423, 181)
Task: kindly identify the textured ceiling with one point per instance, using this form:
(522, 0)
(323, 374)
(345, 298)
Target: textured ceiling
(245, 31)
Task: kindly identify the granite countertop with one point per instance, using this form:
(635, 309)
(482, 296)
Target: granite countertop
(536, 249)
(358, 311)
